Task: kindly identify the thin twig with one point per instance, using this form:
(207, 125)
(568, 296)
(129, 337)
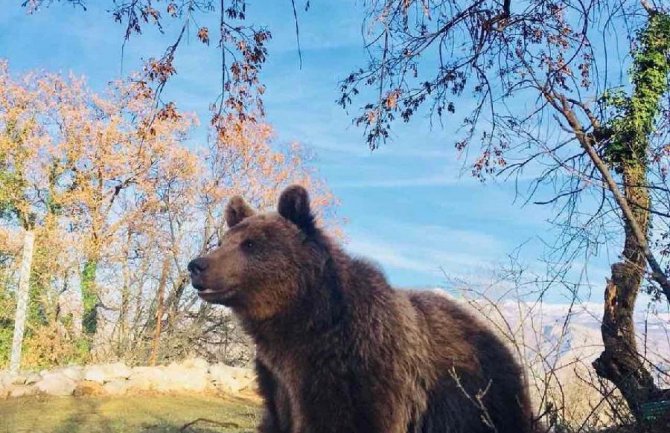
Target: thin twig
(225, 424)
(297, 31)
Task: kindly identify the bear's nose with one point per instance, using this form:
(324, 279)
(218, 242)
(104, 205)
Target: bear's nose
(196, 266)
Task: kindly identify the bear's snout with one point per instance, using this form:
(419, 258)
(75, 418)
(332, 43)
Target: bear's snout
(197, 266)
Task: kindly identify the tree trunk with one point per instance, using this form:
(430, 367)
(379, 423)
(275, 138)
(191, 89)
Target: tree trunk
(22, 301)
(120, 327)
(89, 297)
(620, 362)
(159, 309)
(175, 297)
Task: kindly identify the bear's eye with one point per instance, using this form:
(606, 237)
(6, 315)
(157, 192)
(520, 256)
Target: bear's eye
(248, 244)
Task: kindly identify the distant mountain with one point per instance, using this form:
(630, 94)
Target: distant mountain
(571, 334)
(564, 335)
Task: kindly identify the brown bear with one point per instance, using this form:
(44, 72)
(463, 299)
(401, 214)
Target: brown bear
(339, 350)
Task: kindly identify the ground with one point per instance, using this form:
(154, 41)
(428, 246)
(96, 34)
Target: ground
(127, 414)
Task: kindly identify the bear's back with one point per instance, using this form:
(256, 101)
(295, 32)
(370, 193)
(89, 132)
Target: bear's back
(469, 352)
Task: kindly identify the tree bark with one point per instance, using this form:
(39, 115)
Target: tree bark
(22, 301)
(89, 297)
(620, 362)
(159, 310)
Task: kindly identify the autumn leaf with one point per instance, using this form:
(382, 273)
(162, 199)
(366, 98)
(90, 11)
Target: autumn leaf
(392, 99)
(203, 35)
(172, 10)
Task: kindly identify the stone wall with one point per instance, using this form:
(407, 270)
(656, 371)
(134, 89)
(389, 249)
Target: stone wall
(192, 375)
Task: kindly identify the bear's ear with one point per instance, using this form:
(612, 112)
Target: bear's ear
(294, 206)
(237, 210)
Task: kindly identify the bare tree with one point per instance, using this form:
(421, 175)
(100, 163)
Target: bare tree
(543, 77)
(241, 46)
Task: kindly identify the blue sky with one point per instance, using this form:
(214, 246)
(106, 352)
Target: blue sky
(411, 205)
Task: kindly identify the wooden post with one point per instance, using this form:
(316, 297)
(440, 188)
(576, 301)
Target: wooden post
(22, 301)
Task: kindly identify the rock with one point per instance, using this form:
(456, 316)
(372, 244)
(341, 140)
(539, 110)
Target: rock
(94, 373)
(116, 387)
(73, 372)
(88, 387)
(231, 379)
(56, 384)
(22, 391)
(33, 378)
(118, 370)
(251, 387)
(18, 379)
(107, 372)
(177, 378)
(191, 375)
(145, 378)
(198, 363)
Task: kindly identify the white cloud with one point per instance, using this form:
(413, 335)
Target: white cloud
(430, 250)
(388, 254)
(437, 180)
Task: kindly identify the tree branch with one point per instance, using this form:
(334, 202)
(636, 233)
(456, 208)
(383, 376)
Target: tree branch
(585, 139)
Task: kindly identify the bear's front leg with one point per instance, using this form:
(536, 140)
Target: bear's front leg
(276, 413)
(336, 404)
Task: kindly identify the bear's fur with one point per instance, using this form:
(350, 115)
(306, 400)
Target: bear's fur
(339, 350)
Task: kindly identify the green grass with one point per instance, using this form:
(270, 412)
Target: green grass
(126, 414)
